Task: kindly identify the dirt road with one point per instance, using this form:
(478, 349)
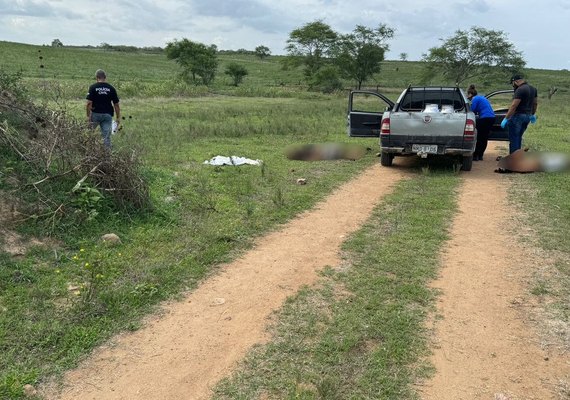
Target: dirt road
(182, 354)
(484, 347)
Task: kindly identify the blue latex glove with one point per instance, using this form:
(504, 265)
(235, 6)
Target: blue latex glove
(533, 119)
(504, 123)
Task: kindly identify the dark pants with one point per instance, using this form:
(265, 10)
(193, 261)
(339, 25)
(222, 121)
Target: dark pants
(517, 125)
(484, 126)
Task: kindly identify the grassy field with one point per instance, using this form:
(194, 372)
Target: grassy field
(59, 301)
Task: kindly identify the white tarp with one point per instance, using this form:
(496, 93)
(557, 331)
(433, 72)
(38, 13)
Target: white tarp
(232, 160)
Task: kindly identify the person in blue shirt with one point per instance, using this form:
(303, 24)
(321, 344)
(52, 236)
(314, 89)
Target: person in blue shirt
(483, 109)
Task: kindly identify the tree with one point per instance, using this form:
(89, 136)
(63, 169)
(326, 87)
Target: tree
(310, 46)
(327, 79)
(473, 53)
(404, 56)
(359, 54)
(196, 59)
(262, 52)
(56, 43)
(237, 72)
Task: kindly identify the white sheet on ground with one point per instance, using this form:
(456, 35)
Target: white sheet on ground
(232, 160)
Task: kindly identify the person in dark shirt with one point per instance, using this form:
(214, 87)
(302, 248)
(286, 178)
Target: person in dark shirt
(482, 108)
(521, 112)
(102, 104)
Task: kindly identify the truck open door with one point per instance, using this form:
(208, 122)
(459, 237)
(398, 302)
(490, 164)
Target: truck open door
(500, 101)
(365, 111)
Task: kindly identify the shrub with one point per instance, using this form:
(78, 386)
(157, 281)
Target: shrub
(237, 72)
(327, 80)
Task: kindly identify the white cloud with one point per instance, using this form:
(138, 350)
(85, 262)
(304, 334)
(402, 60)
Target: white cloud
(18, 23)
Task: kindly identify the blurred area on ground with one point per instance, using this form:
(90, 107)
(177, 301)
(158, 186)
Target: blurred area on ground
(325, 151)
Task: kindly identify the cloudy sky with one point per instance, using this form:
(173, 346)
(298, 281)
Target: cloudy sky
(538, 28)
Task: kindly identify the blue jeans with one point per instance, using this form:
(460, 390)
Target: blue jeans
(105, 122)
(517, 125)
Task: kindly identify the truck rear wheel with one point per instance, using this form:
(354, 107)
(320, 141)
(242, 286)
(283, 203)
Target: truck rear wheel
(467, 163)
(386, 159)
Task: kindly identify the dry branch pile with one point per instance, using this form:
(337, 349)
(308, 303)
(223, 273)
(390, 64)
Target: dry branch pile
(55, 147)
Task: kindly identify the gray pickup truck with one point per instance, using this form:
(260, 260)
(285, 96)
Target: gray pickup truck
(424, 121)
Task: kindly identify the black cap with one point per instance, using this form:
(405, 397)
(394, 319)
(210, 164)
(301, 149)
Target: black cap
(516, 77)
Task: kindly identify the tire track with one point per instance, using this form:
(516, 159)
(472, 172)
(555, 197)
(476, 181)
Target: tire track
(198, 341)
(485, 346)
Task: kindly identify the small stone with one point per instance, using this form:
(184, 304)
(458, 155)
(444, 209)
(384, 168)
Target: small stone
(30, 391)
(301, 181)
(111, 238)
(72, 288)
(218, 301)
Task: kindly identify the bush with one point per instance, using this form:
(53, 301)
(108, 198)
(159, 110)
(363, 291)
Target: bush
(237, 72)
(327, 80)
(11, 83)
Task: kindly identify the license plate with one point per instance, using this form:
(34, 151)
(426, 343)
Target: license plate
(424, 148)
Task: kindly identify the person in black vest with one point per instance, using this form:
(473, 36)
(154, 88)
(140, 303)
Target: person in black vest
(102, 104)
(521, 112)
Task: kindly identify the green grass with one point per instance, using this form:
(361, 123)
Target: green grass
(151, 74)
(544, 200)
(548, 194)
(203, 215)
(347, 338)
(67, 71)
(360, 333)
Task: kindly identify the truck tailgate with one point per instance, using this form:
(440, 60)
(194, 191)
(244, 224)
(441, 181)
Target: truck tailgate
(427, 123)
